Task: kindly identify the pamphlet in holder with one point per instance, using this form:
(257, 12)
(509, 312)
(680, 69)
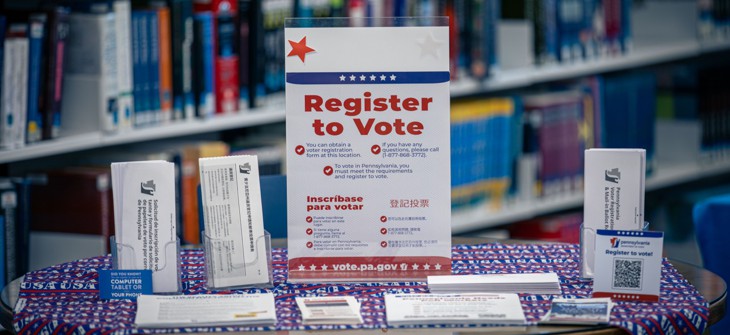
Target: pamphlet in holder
(165, 277)
(225, 273)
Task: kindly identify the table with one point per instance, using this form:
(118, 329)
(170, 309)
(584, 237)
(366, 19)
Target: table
(709, 285)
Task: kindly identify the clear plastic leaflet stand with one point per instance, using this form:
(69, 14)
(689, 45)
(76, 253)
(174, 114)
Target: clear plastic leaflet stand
(588, 235)
(127, 252)
(240, 266)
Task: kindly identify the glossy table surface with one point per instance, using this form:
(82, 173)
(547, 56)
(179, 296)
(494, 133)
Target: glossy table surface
(710, 285)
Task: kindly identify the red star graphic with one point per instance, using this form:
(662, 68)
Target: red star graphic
(299, 48)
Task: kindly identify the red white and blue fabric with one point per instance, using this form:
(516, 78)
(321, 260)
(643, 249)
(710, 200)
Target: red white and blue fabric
(64, 299)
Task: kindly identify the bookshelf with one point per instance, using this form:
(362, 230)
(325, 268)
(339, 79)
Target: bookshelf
(655, 43)
(273, 111)
(666, 175)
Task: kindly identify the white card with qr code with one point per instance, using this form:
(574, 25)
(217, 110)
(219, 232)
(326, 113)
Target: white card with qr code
(628, 264)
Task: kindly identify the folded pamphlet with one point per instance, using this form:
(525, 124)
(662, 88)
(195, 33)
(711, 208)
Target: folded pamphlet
(144, 221)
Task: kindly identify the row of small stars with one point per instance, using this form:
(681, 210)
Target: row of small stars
(324, 267)
(372, 77)
(625, 296)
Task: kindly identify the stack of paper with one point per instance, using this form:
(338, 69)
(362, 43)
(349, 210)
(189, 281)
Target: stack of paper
(144, 221)
(340, 310)
(236, 254)
(205, 310)
(417, 309)
(535, 283)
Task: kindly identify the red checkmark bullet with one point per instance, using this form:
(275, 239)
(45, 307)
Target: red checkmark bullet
(375, 149)
(383, 218)
(383, 231)
(383, 244)
(309, 231)
(328, 170)
(309, 219)
(310, 245)
(299, 150)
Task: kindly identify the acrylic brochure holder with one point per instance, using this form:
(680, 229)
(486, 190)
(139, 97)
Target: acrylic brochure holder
(239, 267)
(171, 251)
(588, 237)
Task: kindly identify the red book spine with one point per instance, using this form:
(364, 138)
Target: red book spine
(226, 55)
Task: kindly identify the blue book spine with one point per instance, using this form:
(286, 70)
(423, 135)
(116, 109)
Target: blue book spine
(517, 140)
(551, 29)
(570, 16)
(2, 251)
(141, 100)
(34, 131)
(626, 35)
(2, 56)
(209, 66)
(153, 67)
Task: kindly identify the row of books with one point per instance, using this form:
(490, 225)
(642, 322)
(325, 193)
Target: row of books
(713, 19)
(72, 67)
(571, 30)
(531, 145)
(82, 224)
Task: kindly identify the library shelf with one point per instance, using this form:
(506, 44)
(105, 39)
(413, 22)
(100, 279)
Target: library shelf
(273, 111)
(665, 175)
(74, 143)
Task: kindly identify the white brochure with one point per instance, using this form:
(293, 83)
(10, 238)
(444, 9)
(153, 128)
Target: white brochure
(418, 309)
(144, 221)
(205, 310)
(236, 253)
(535, 283)
(333, 310)
(628, 265)
(614, 197)
(368, 153)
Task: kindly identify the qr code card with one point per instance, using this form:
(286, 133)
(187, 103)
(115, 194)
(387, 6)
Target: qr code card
(628, 264)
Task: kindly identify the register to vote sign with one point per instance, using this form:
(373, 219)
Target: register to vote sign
(368, 157)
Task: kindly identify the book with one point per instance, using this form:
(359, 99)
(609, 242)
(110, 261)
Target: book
(225, 55)
(205, 310)
(57, 30)
(66, 228)
(90, 94)
(15, 87)
(125, 79)
(90, 211)
(165, 63)
(203, 65)
(36, 43)
(534, 283)
(472, 309)
(152, 50)
(9, 214)
(181, 15)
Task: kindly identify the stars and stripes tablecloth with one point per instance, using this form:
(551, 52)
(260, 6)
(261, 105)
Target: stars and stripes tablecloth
(64, 299)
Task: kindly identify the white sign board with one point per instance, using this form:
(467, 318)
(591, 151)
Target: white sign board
(368, 156)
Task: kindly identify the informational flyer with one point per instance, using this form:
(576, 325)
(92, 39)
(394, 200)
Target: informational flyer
(233, 221)
(480, 308)
(368, 156)
(144, 221)
(631, 265)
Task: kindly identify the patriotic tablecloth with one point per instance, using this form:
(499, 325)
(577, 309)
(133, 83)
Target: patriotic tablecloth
(64, 299)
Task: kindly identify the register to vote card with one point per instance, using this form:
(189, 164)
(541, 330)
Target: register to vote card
(628, 264)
